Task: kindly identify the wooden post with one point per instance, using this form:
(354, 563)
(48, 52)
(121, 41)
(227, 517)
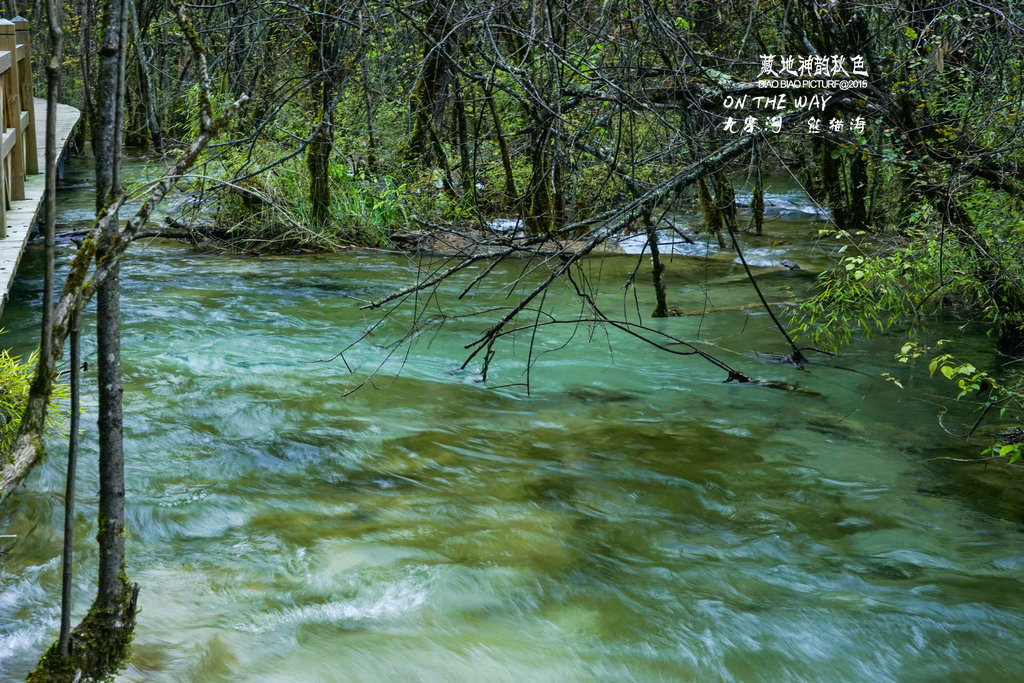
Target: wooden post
(12, 110)
(25, 90)
(5, 194)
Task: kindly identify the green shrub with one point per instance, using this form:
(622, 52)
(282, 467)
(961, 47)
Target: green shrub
(15, 379)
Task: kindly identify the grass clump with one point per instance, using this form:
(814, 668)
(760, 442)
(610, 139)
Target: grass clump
(15, 379)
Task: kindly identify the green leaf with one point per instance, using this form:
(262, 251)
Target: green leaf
(948, 371)
(910, 33)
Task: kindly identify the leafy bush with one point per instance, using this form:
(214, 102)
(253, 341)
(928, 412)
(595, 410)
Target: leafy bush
(15, 379)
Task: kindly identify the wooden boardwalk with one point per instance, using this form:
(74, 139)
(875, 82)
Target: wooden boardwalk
(21, 215)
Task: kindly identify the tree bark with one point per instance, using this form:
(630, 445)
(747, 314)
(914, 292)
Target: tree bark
(428, 89)
(156, 134)
(712, 212)
(466, 181)
(318, 152)
(506, 160)
(66, 598)
(114, 607)
(757, 204)
(657, 268)
(85, 12)
(371, 137)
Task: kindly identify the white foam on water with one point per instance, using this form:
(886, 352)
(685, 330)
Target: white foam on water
(763, 257)
(391, 601)
(670, 244)
(505, 224)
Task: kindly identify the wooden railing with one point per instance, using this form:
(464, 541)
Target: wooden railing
(18, 154)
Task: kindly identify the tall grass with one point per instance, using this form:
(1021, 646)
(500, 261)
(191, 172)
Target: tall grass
(15, 379)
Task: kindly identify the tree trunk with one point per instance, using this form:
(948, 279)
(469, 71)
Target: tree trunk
(858, 191)
(53, 84)
(506, 161)
(712, 213)
(156, 134)
(540, 213)
(657, 269)
(466, 180)
(831, 179)
(318, 152)
(318, 163)
(85, 13)
(725, 198)
(428, 88)
(371, 137)
(757, 207)
(66, 597)
(113, 611)
(757, 197)
(99, 645)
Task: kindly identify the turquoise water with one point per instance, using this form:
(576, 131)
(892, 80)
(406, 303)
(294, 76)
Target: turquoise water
(632, 517)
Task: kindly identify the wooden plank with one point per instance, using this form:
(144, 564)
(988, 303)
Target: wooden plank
(7, 141)
(5, 60)
(22, 214)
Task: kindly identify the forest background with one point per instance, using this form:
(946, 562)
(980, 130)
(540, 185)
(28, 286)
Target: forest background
(417, 124)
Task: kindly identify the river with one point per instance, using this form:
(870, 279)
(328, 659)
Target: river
(632, 517)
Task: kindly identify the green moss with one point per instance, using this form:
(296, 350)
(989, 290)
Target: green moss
(80, 265)
(99, 646)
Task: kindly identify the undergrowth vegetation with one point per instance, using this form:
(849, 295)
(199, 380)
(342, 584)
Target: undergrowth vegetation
(271, 211)
(15, 377)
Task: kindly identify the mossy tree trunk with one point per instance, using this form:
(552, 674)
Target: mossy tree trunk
(858, 191)
(831, 178)
(712, 213)
(428, 89)
(112, 617)
(725, 198)
(320, 40)
(757, 207)
(99, 646)
(757, 197)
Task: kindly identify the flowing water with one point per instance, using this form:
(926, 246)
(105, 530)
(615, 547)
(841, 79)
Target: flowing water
(632, 517)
